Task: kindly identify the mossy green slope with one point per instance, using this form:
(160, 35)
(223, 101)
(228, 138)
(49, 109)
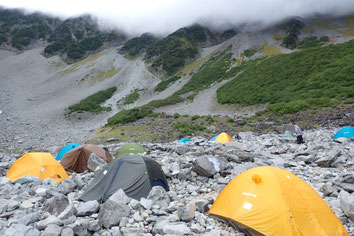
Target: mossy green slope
(320, 72)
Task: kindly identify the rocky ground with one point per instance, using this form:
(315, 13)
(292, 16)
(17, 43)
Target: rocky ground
(30, 206)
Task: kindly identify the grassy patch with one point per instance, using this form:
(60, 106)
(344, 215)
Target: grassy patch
(249, 52)
(73, 67)
(347, 33)
(270, 50)
(92, 103)
(127, 116)
(279, 37)
(102, 75)
(132, 97)
(319, 73)
(165, 83)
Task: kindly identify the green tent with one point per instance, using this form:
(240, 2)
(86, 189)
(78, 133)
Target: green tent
(130, 149)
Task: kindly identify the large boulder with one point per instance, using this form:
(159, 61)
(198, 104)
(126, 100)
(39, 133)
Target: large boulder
(94, 161)
(87, 208)
(159, 197)
(206, 166)
(347, 204)
(56, 205)
(113, 210)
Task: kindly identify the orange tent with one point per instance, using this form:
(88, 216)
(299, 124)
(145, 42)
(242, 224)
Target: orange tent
(40, 164)
(76, 159)
(271, 201)
(223, 138)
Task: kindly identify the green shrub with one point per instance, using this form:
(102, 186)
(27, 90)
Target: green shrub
(298, 105)
(132, 97)
(186, 128)
(321, 72)
(92, 103)
(165, 102)
(249, 52)
(230, 120)
(195, 117)
(176, 115)
(127, 116)
(165, 83)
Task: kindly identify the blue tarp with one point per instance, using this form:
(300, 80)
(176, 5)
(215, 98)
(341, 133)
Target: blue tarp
(214, 138)
(65, 150)
(346, 132)
(184, 140)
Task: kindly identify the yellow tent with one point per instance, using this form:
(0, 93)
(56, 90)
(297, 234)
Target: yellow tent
(271, 201)
(223, 138)
(40, 164)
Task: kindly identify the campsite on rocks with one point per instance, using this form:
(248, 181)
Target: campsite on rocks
(127, 119)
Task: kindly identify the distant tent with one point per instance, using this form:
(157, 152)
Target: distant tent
(65, 150)
(346, 132)
(130, 149)
(223, 138)
(135, 175)
(288, 134)
(76, 159)
(213, 138)
(271, 201)
(40, 164)
(184, 140)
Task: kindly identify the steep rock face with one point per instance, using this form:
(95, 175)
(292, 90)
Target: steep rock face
(73, 39)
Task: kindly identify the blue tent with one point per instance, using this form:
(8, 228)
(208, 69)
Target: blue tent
(214, 138)
(346, 132)
(184, 140)
(65, 150)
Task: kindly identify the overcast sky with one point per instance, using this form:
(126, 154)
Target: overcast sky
(165, 16)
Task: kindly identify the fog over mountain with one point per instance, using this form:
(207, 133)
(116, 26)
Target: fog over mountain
(163, 17)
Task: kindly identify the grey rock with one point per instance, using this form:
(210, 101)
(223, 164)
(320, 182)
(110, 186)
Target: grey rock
(80, 230)
(52, 230)
(347, 204)
(327, 189)
(69, 211)
(113, 210)
(120, 197)
(134, 204)
(88, 208)
(67, 186)
(116, 231)
(176, 229)
(146, 203)
(132, 231)
(278, 151)
(94, 226)
(67, 232)
(187, 213)
(204, 167)
(159, 197)
(29, 179)
(94, 161)
(19, 229)
(56, 204)
(29, 218)
(4, 180)
(347, 187)
(201, 205)
(47, 221)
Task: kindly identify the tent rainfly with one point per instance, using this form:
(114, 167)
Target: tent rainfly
(271, 201)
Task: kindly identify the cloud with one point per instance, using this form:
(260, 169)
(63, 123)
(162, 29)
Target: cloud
(165, 16)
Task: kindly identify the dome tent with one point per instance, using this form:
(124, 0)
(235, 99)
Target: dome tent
(130, 149)
(76, 159)
(184, 140)
(65, 149)
(135, 175)
(223, 138)
(271, 201)
(40, 164)
(346, 132)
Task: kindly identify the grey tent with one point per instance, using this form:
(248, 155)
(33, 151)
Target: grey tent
(134, 174)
